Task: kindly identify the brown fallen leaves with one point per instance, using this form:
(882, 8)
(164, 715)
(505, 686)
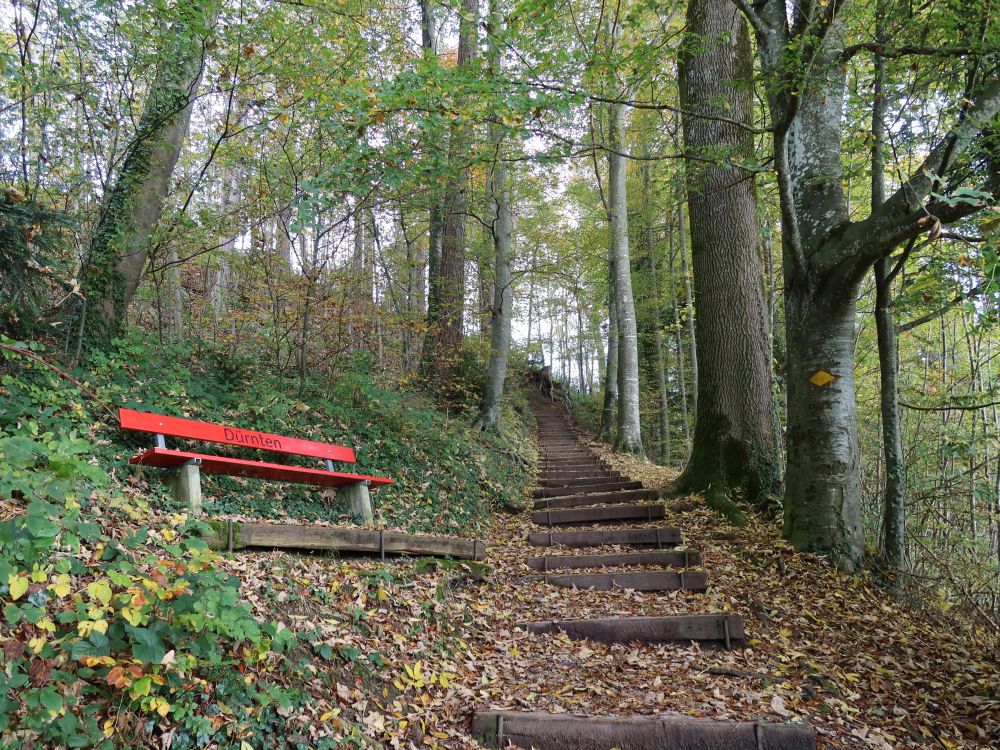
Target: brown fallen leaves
(833, 650)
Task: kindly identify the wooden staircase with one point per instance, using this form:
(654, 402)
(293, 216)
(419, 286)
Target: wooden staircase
(576, 489)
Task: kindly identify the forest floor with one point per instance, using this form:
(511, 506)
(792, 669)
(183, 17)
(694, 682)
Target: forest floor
(823, 647)
(401, 654)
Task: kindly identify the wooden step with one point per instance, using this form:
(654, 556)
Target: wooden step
(714, 628)
(588, 486)
(580, 468)
(545, 731)
(601, 514)
(576, 474)
(583, 499)
(638, 580)
(668, 559)
(234, 535)
(597, 485)
(658, 536)
(597, 476)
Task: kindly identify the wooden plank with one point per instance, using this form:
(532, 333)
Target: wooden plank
(643, 512)
(576, 473)
(684, 628)
(140, 421)
(660, 536)
(663, 559)
(595, 477)
(596, 487)
(545, 731)
(167, 458)
(589, 499)
(291, 536)
(638, 580)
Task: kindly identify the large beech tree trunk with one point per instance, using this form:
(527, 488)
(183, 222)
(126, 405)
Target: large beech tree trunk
(629, 436)
(735, 447)
(121, 242)
(826, 255)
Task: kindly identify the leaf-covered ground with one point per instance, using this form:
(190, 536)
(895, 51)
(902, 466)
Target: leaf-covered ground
(118, 626)
(823, 647)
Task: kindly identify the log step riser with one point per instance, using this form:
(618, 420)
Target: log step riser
(664, 536)
(695, 580)
(543, 731)
(604, 514)
(587, 489)
(672, 559)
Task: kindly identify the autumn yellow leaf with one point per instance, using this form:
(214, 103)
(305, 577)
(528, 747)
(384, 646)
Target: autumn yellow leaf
(18, 586)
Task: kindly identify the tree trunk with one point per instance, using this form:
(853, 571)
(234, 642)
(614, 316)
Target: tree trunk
(609, 410)
(584, 389)
(735, 447)
(826, 255)
(894, 494)
(823, 483)
(679, 346)
(446, 337)
(661, 365)
(503, 297)
(691, 316)
(174, 293)
(629, 437)
(122, 239)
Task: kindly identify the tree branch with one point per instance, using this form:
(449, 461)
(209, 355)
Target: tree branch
(934, 314)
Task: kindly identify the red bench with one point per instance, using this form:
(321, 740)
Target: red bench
(186, 466)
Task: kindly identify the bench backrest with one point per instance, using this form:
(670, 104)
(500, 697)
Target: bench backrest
(192, 429)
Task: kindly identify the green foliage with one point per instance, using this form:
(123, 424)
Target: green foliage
(29, 266)
(145, 619)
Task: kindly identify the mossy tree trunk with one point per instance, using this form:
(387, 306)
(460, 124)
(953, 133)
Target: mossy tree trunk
(122, 239)
(735, 448)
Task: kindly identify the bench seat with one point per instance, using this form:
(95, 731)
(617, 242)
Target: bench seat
(168, 458)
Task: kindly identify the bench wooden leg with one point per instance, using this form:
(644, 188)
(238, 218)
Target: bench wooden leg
(358, 500)
(186, 483)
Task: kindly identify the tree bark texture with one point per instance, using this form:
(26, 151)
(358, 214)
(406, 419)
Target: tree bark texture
(657, 322)
(894, 493)
(735, 446)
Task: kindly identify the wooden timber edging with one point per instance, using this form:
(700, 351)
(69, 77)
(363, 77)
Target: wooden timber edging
(233, 535)
(590, 485)
(545, 731)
